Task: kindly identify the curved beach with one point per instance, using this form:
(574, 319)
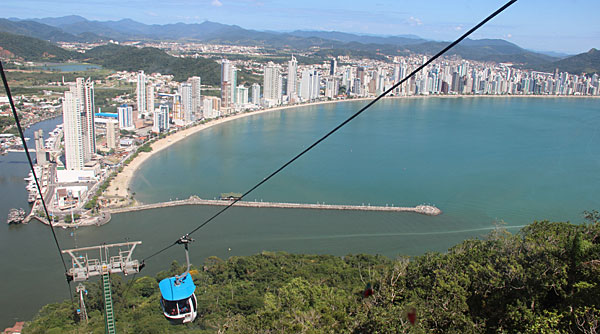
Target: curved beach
(119, 187)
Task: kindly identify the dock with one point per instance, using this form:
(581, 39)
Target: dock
(428, 210)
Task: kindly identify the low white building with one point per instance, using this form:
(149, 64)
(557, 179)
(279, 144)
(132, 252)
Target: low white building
(75, 176)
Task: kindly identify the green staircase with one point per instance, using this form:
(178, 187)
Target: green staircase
(108, 305)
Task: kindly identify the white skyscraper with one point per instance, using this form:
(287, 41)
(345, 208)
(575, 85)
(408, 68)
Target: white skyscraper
(272, 84)
(73, 130)
(228, 83)
(78, 118)
(85, 95)
(242, 95)
(256, 93)
(310, 85)
(141, 93)
(149, 98)
(161, 119)
(125, 114)
(196, 83)
(187, 102)
(292, 79)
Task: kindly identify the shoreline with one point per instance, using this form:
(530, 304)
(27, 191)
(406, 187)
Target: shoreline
(120, 185)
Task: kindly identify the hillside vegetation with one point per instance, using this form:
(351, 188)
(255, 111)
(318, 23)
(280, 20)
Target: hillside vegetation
(587, 62)
(32, 49)
(544, 279)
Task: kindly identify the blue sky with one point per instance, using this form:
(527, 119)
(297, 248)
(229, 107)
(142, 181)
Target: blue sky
(569, 26)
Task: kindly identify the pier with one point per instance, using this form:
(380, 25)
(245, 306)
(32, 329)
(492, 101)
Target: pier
(194, 200)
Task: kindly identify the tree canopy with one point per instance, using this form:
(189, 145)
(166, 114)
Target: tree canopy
(545, 279)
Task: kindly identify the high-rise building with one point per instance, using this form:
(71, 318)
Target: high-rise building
(85, 96)
(228, 83)
(212, 107)
(187, 104)
(125, 115)
(256, 93)
(310, 85)
(196, 83)
(78, 118)
(149, 98)
(292, 80)
(40, 148)
(161, 119)
(141, 94)
(332, 66)
(242, 95)
(272, 84)
(332, 87)
(112, 134)
(73, 130)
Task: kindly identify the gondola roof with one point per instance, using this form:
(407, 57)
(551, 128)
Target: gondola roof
(172, 292)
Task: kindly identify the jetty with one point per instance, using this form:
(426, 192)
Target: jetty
(428, 210)
(15, 216)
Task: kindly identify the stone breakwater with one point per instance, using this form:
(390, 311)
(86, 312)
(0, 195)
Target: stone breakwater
(421, 209)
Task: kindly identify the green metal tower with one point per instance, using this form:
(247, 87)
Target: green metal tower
(84, 267)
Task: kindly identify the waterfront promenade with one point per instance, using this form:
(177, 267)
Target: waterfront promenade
(194, 200)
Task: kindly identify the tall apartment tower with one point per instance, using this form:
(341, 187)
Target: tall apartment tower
(125, 115)
(73, 130)
(187, 103)
(228, 83)
(332, 66)
(272, 84)
(292, 79)
(141, 94)
(112, 134)
(256, 93)
(85, 95)
(149, 98)
(310, 86)
(161, 119)
(40, 149)
(196, 83)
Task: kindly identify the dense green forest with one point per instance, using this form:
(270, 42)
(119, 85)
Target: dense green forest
(545, 279)
(34, 49)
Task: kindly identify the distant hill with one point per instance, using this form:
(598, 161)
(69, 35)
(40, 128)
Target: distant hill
(33, 49)
(151, 60)
(37, 30)
(77, 27)
(364, 39)
(588, 62)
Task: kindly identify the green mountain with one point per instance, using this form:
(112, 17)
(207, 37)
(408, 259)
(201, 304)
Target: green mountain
(545, 279)
(588, 62)
(333, 42)
(33, 49)
(151, 60)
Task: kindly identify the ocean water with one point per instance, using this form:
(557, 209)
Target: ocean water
(480, 160)
(483, 161)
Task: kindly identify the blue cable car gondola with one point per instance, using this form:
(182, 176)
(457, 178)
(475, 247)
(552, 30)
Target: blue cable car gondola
(178, 300)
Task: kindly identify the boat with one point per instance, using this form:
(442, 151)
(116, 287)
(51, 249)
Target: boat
(15, 216)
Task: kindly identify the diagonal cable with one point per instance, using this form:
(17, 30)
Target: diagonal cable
(18, 123)
(372, 102)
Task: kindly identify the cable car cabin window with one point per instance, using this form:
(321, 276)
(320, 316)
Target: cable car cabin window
(184, 306)
(170, 307)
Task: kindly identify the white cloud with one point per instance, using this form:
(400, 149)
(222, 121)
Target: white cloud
(216, 3)
(414, 21)
(458, 28)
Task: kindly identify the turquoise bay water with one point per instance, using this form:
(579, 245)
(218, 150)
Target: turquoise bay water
(480, 160)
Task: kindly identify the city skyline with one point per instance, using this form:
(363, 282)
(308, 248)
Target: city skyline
(534, 25)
